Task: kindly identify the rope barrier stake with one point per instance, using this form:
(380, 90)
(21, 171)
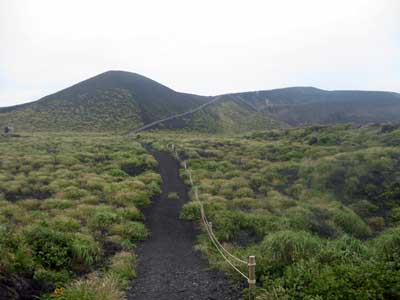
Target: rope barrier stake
(252, 272)
(190, 177)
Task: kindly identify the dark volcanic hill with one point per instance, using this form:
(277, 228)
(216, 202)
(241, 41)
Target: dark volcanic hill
(308, 105)
(122, 101)
(294, 106)
(113, 100)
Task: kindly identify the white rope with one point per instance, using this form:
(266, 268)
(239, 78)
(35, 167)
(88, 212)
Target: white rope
(212, 235)
(222, 254)
(209, 230)
(222, 247)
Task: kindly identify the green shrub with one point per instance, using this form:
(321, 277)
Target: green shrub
(66, 224)
(139, 199)
(388, 244)
(56, 203)
(131, 213)
(299, 218)
(74, 193)
(94, 288)
(80, 290)
(50, 248)
(173, 196)
(351, 223)
(85, 250)
(154, 188)
(118, 173)
(58, 278)
(190, 211)
(376, 223)
(285, 247)
(132, 231)
(102, 220)
(395, 215)
(123, 267)
(30, 204)
(345, 249)
(15, 255)
(366, 280)
(364, 208)
(244, 192)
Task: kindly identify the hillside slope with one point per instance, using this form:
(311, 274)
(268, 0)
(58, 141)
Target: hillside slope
(308, 105)
(294, 106)
(113, 100)
(227, 115)
(123, 101)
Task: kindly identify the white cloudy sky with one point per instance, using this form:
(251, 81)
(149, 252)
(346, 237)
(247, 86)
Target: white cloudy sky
(206, 47)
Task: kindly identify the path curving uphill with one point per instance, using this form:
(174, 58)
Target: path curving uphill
(168, 267)
(180, 115)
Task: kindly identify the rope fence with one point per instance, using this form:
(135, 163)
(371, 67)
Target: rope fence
(226, 255)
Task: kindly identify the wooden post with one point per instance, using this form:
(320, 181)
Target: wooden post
(252, 272)
(210, 225)
(190, 177)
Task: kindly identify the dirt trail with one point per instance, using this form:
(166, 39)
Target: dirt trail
(168, 267)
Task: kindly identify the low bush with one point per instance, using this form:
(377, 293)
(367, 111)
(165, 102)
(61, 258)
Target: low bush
(102, 220)
(122, 266)
(66, 224)
(131, 231)
(190, 211)
(85, 250)
(50, 248)
(345, 249)
(94, 288)
(173, 196)
(58, 278)
(131, 213)
(286, 247)
(388, 244)
(351, 223)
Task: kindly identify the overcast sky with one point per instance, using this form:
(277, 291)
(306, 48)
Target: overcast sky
(199, 46)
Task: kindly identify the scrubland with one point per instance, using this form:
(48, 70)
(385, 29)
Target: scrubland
(70, 214)
(319, 206)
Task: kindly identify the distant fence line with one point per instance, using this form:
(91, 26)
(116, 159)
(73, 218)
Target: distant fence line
(191, 111)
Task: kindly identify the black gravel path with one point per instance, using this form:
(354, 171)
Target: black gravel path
(168, 266)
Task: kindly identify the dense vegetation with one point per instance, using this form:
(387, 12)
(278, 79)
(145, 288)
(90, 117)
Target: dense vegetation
(318, 206)
(70, 214)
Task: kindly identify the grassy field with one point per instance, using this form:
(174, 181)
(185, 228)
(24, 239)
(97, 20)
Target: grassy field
(318, 206)
(70, 214)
